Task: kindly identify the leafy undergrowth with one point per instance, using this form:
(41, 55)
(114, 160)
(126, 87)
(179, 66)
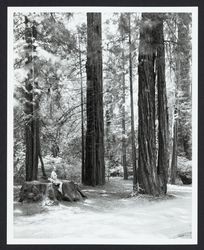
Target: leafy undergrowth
(109, 215)
(184, 165)
(65, 170)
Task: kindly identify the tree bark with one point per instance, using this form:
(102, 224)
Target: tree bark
(108, 124)
(174, 154)
(134, 163)
(31, 108)
(35, 135)
(147, 170)
(94, 161)
(124, 160)
(163, 128)
(82, 117)
(41, 161)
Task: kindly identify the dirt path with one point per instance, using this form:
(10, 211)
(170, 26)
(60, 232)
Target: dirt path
(109, 215)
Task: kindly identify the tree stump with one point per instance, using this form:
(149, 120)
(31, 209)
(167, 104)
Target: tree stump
(34, 191)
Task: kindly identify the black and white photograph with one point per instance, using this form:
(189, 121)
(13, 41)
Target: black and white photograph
(102, 125)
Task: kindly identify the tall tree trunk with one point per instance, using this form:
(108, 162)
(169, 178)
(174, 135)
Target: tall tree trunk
(163, 128)
(175, 120)
(41, 159)
(29, 149)
(36, 141)
(173, 172)
(147, 170)
(94, 161)
(108, 124)
(50, 102)
(124, 160)
(134, 163)
(174, 154)
(82, 117)
(31, 108)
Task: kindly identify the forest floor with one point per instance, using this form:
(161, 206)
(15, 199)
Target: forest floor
(109, 215)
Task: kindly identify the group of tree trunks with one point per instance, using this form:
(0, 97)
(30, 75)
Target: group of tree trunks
(151, 174)
(181, 133)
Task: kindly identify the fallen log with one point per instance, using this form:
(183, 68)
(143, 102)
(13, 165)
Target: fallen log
(34, 191)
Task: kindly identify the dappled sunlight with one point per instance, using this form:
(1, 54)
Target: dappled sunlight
(104, 216)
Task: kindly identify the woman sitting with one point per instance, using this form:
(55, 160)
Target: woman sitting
(54, 180)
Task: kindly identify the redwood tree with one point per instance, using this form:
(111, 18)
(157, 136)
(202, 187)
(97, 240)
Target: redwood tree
(94, 172)
(124, 160)
(82, 112)
(31, 107)
(123, 27)
(152, 177)
(163, 128)
(134, 163)
(147, 170)
(174, 152)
